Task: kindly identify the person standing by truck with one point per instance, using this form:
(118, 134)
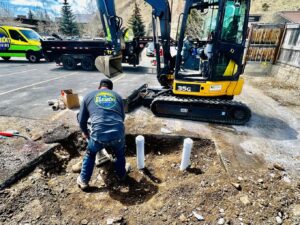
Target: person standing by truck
(105, 109)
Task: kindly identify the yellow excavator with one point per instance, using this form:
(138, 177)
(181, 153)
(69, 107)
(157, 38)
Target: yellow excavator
(200, 82)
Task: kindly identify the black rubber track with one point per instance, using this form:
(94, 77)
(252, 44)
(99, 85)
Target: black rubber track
(201, 109)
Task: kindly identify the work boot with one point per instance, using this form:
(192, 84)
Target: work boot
(76, 168)
(81, 184)
(128, 170)
(102, 157)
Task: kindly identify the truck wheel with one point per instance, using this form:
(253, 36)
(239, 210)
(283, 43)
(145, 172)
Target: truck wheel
(87, 63)
(32, 57)
(5, 58)
(69, 63)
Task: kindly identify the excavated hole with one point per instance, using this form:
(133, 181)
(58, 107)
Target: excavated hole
(155, 146)
(161, 185)
(162, 160)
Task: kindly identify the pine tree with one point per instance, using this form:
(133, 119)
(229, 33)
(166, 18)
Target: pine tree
(68, 25)
(136, 23)
(195, 23)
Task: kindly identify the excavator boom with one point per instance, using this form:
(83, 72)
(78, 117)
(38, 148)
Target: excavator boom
(161, 14)
(110, 64)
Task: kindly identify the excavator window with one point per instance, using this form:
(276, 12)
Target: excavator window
(212, 47)
(233, 23)
(199, 32)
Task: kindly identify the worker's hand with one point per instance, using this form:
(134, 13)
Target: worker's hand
(85, 136)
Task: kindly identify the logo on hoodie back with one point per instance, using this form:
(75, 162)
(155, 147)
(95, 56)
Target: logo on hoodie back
(105, 100)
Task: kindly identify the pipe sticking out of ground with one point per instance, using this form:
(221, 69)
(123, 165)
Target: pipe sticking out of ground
(186, 153)
(140, 152)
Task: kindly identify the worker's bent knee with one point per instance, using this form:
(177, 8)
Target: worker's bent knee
(90, 153)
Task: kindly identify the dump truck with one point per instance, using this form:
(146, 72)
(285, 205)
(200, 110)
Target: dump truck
(71, 53)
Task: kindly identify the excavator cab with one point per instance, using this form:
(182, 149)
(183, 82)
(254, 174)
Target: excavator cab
(211, 45)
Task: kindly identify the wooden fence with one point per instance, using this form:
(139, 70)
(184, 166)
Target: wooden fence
(264, 42)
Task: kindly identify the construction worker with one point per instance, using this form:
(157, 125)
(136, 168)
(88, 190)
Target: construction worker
(105, 109)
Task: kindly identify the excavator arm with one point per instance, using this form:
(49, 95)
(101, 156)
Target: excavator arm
(161, 10)
(161, 13)
(111, 24)
(110, 64)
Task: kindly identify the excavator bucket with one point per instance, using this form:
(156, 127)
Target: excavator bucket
(109, 65)
(135, 99)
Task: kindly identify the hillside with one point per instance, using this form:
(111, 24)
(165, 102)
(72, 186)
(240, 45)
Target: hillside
(274, 6)
(124, 9)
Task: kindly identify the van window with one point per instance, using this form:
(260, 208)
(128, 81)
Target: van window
(31, 35)
(3, 33)
(16, 35)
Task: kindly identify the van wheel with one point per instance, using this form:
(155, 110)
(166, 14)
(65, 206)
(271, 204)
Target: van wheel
(32, 57)
(5, 58)
(69, 63)
(87, 63)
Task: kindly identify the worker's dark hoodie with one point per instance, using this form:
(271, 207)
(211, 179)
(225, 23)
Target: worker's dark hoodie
(105, 109)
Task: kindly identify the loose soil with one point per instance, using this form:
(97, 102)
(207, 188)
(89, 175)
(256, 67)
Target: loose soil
(160, 195)
(285, 95)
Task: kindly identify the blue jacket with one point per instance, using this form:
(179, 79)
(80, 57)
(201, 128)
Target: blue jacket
(105, 109)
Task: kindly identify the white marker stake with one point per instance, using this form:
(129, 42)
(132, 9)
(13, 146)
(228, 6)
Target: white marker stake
(186, 153)
(140, 152)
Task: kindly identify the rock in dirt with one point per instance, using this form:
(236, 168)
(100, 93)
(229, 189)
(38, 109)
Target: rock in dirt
(236, 185)
(221, 221)
(165, 131)
(182, 218)
(36, 136)
(114, 220)
(198, 216)
(278, 167)
(278, 220)
(244, 199)
(110, 221)
(260, 181)
(58, 134)
(296, 211)
(286, 179)
(84, 222)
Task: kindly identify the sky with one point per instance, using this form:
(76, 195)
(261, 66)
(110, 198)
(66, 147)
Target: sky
(53, 7)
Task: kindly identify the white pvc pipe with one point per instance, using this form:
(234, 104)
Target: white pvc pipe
(140, 152)
(186, 153)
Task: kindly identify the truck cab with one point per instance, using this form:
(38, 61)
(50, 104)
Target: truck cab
(20, 42)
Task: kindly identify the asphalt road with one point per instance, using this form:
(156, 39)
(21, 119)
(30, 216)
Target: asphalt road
(25, 88)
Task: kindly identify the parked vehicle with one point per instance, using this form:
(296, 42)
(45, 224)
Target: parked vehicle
(71, 53)
(150, 51)
(20, 42)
